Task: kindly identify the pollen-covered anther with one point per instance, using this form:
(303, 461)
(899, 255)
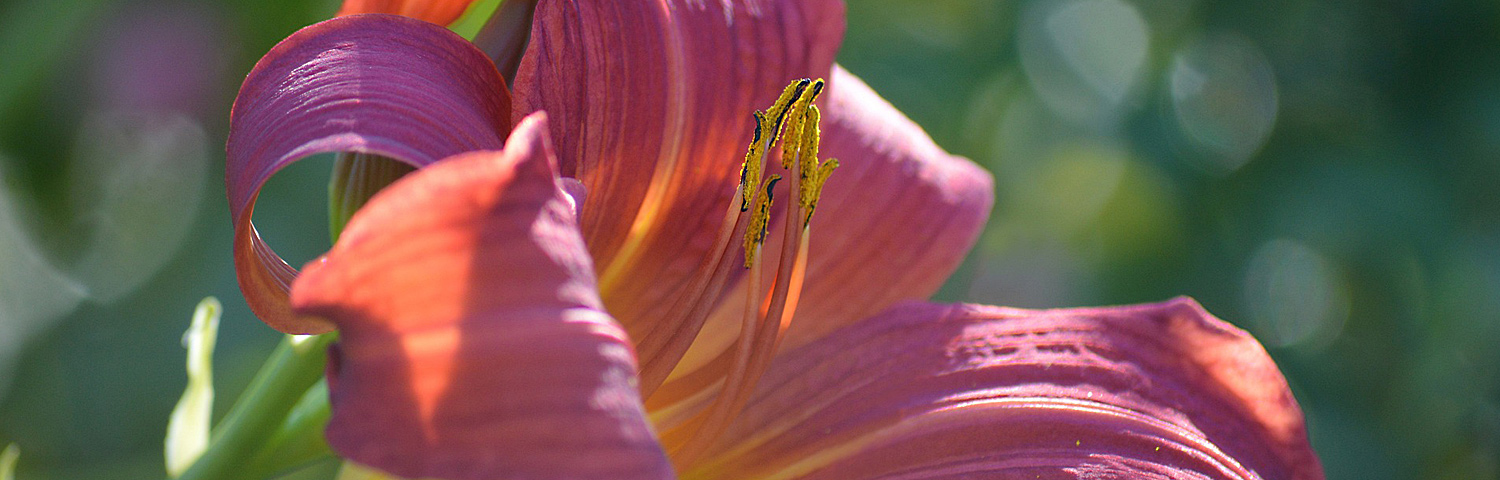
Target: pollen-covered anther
(812, 188)
(776, 115)
(760, 220)
(792, 148)
(754, 163)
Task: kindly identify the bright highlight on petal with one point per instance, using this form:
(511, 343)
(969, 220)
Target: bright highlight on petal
(375, 84)
(473, 344)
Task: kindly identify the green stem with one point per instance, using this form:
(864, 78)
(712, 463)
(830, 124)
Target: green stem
(295, 366)
(300, 439)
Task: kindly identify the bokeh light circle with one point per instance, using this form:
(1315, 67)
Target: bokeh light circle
(1296, 296)
(1084, 58)
(1224, 97)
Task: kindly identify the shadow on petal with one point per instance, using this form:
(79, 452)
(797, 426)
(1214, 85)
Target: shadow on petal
(473, 342)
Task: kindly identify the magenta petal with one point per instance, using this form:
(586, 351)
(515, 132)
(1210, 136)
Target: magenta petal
(923, 391)
(473, 343)
(378, 84)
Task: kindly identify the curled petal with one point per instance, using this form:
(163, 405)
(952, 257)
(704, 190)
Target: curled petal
(651, 104)
(441, 12)
(1149, 391)
(473, 343)
(377, 84)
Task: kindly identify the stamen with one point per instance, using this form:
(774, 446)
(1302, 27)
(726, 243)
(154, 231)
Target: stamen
(755, 235)
(794, 123)
(813, 188)
(693, 307)
(754, 163)
(783, 105)
(808, 149)
(765, 318)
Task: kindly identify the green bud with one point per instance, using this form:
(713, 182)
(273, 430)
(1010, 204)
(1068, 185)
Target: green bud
(188, 428)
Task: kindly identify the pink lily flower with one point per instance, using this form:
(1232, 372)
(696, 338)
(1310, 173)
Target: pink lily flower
(558, 290)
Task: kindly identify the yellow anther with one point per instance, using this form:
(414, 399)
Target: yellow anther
(776, 115)
(812, 188)
(754, 163)
(809, 141)
(792, 147)
(760, 219)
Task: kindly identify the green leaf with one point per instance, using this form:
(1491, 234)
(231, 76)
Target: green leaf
(474, 18)
(188, 429)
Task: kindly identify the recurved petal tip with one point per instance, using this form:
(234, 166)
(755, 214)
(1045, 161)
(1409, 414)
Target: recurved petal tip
(378, 84)
(473, 342)
(1148, 391)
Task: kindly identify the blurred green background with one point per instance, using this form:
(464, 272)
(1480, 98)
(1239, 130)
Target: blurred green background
(1325, 174)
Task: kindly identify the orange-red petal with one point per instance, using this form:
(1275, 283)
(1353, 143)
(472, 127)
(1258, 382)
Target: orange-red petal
(651, 104)
(441, 12)
(378, 84)
(473, 343)
(960, 391)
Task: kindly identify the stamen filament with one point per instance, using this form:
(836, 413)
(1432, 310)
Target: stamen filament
(765, 317)
(659, 354)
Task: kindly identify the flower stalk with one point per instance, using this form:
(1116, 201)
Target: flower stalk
(294, 367)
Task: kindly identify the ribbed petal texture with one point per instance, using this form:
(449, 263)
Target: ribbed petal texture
(377, 84)
(960, 391)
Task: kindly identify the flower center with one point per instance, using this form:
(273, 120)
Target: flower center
(792, 122)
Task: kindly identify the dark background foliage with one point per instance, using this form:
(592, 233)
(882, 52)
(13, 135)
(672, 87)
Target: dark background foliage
(1320, 173)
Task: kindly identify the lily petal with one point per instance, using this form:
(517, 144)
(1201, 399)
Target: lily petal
(1149, 391)
(473, 343)
(441, 12)
(651, 104)
(377, 84)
